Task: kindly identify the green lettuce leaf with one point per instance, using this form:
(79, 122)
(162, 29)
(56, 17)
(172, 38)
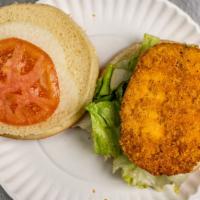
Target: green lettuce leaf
(119, 92)
(104, 110)
(148, 42)
(105, 127)
(136, 176)
(103, 84)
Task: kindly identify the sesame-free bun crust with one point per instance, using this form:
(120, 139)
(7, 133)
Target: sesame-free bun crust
(74, 58)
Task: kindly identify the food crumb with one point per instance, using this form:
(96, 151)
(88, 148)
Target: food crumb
(93, 190)
(93, 15)
(105, 199)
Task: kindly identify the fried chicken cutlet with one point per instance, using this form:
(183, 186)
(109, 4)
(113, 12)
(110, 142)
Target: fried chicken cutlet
(160, 112)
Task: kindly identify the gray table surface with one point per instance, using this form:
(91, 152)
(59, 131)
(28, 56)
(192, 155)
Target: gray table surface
(191, 7)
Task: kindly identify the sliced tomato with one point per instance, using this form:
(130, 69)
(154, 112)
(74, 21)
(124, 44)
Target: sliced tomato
(29, 90)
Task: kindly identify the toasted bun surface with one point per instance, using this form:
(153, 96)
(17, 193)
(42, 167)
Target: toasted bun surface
(74, 58)
(160, 110)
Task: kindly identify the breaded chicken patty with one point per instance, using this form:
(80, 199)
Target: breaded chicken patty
(160, 112)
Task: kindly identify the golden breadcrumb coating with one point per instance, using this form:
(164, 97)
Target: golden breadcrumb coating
(160, 112)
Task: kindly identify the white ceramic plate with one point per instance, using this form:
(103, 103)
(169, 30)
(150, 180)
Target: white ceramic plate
(64, 166)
